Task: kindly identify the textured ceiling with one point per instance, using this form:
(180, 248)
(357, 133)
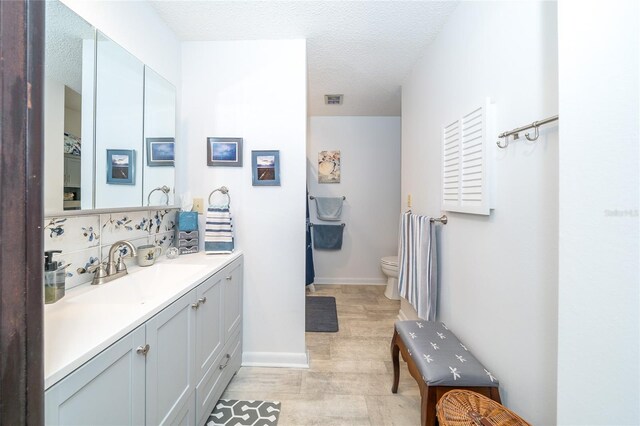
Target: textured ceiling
(362, 49)
(63, 45)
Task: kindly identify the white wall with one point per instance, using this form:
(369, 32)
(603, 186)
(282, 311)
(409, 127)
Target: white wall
(255, 90)
(499, 273)
(598, 350)
(370, 179)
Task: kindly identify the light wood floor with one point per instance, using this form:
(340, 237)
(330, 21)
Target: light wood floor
(349, 379)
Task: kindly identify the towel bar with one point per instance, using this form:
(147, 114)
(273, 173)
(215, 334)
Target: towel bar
(442, 219)
(342, 224)
(311, 197)
(224, 190)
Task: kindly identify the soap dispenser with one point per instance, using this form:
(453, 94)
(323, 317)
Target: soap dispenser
(54, 278)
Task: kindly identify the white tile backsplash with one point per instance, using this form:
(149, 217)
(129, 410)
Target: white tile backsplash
(79, 262)
(164, 240)
(162, 221)
(84, 239)
(71, 233)
(124, 226)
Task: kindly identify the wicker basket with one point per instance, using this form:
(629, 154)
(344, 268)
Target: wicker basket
(466, 408)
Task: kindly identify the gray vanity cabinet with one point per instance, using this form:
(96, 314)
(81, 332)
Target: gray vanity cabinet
(209, 328)
(170, 360)
(171, 370)
(232, 299)
(219, 363)
(109, 389)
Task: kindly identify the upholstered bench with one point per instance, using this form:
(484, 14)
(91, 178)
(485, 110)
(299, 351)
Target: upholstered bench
(439, 362)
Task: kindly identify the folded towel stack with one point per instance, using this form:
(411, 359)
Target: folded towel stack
(218, 235)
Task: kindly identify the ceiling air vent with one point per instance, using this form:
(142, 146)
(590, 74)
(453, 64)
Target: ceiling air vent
(333, 99)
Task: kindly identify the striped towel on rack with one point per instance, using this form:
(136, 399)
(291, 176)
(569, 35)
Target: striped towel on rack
(418, 264)
(218, 234)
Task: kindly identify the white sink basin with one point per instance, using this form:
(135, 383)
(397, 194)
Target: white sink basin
(141, 285)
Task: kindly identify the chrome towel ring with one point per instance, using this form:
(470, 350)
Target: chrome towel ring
(223, 190)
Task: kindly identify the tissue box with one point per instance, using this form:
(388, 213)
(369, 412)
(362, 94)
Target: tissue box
(187, 221)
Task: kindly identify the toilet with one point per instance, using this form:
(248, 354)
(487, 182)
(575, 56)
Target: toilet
(389, 265)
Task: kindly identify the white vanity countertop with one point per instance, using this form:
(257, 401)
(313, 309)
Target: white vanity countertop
(91, 318)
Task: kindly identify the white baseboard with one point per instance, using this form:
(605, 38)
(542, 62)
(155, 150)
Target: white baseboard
(275, 359)
(350, 281)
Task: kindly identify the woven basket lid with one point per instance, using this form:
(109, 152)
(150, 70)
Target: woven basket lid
(465, 408)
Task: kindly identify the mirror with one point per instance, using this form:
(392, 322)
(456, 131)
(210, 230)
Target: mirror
(123, 155)
(119, 126)
(68, 108)
(159, 136)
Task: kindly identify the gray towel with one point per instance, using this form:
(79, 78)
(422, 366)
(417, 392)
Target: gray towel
(329, 208)
(328, 237)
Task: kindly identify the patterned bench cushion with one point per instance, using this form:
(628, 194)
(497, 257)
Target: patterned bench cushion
(440, 357)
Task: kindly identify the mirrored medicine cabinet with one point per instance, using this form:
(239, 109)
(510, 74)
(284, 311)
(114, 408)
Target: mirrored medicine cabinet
(109, 122)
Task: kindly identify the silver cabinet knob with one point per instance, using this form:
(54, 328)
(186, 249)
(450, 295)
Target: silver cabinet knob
(195, 305)
(202, 300)
(143, 350)
(229, 278)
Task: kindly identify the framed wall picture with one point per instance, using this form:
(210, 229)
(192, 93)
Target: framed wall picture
(329, 167)
(265, 168)
(161, 152)
(226, 152)
(121, 166)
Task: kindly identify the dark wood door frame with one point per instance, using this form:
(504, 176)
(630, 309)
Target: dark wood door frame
(21, 212)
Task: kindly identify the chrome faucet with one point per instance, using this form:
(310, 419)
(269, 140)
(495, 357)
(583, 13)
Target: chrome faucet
(112, 270)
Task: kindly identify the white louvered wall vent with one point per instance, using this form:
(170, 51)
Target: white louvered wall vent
(467, 158)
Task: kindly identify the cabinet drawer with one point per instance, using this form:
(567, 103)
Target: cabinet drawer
(187, 242)
(185, 235)
(215, 381)
(188, 250)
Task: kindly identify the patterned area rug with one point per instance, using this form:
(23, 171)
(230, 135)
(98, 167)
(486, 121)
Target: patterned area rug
(230, 412)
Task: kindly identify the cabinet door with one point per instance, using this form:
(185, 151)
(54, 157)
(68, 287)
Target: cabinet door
(209, 327)
(170, 360)
(72, 171)
(232, 293)
(107, 390)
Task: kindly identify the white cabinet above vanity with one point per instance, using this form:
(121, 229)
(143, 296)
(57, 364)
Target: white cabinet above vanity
(151, 348)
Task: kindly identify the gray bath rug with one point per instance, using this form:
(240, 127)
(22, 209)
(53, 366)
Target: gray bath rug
(230, 412)
(321, 314)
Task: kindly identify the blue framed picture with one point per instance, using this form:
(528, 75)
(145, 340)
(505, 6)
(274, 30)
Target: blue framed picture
(265, 168)
(161, 152)
(226, 152)
(121, 166)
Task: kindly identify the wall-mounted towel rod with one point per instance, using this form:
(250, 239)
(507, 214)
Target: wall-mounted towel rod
(224, 190)
(342, 224)
(516, 132)
(442, 219)
(311, 197)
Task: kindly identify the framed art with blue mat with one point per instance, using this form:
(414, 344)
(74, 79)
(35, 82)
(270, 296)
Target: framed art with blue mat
(160, 152)
(265, 168)
(225, 152)
(121, 166)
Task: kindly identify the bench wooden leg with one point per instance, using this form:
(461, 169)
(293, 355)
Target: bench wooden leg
(395, 352)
